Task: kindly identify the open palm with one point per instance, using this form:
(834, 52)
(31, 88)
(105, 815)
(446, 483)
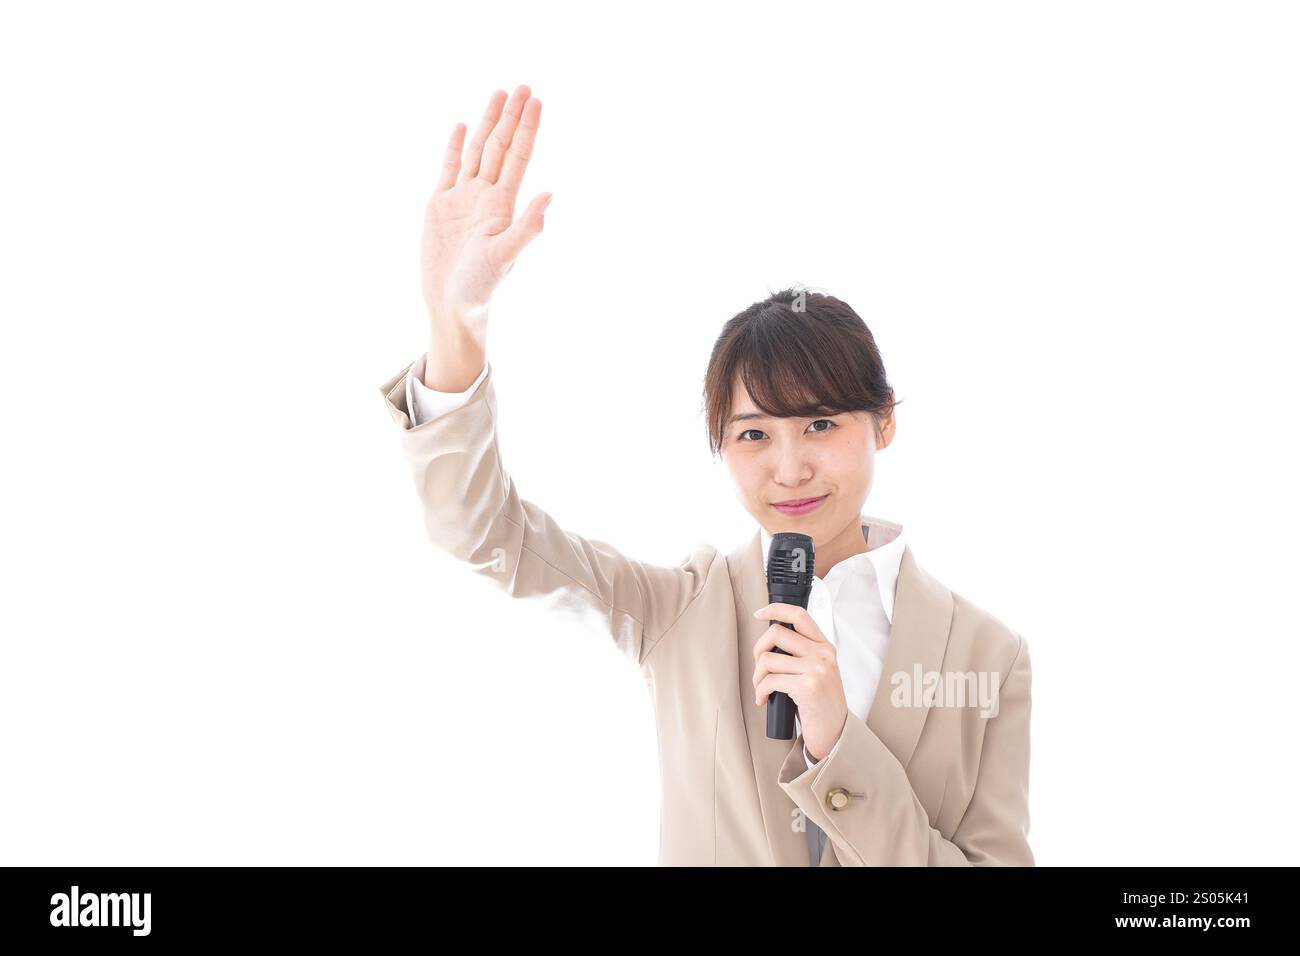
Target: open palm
(471, 237)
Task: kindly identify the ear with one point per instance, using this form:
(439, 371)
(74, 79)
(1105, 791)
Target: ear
(886, 426)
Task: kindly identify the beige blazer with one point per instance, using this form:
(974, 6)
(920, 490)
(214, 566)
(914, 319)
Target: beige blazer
(920, 783)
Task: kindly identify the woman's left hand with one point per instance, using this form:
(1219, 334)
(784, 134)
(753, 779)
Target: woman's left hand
(808, 673)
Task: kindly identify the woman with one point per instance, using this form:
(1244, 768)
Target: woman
(912, 739)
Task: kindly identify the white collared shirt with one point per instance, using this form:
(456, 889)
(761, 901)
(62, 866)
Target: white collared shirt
(852, 603)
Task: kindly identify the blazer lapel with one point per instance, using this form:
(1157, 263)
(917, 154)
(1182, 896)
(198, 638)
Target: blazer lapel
(918, 637)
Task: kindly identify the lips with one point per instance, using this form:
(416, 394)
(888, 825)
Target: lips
(801, 506)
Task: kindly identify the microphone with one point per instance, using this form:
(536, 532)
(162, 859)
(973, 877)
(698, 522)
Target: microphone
(789, 581)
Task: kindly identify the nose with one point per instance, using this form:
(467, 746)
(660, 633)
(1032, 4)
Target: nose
(791, 468)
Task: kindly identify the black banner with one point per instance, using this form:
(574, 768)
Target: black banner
(134, 906)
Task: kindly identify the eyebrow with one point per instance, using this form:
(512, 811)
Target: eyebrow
(747, 416)
(750, 416)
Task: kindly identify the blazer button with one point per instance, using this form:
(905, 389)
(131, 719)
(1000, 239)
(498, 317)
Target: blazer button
(837, 799)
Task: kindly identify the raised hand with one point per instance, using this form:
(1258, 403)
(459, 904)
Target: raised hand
(471, 236)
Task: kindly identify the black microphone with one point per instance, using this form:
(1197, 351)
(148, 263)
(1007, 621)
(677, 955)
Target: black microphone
(789, 581)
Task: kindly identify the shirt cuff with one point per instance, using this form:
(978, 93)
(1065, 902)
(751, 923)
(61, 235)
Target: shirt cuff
(807, 758)
(424, 403)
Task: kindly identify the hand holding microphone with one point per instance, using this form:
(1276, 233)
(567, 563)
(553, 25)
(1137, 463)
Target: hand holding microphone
(794, 663)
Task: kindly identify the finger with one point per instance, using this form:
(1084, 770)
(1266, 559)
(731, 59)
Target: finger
(774, 663)
(792, 614)
(792, 642)
(787, 683)
(521, 232)
(502, 133)
(451, 160)
(484, 130)
(521, 146)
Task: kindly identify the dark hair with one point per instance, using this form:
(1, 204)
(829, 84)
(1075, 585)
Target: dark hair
(799, 354)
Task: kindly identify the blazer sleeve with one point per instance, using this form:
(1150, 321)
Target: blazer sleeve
(884, 823)
(473, 511)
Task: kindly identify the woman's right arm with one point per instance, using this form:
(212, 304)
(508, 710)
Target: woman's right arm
(471, 507)
(473, 511)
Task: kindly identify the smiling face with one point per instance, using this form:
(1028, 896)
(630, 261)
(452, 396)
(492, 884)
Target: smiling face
(797, 403)
(775, 460)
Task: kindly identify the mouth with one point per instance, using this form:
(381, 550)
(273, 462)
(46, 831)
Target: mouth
(798, 506)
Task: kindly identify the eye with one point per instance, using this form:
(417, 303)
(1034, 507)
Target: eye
(825, 421)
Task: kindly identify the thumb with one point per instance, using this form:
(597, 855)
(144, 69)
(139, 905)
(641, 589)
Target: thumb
(524, 229)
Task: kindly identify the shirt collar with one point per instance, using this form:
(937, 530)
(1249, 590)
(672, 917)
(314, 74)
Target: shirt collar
(885, 544)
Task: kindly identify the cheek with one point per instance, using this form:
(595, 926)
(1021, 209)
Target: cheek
(744, 473)
(850, 461)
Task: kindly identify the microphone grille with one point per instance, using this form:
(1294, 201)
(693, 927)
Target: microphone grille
(791, 558)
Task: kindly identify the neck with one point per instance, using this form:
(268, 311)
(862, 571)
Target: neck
(844, 545)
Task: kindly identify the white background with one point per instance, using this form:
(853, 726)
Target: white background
(1071, 227)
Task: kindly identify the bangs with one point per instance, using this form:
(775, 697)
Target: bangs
(794, 369)
(788, 383)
